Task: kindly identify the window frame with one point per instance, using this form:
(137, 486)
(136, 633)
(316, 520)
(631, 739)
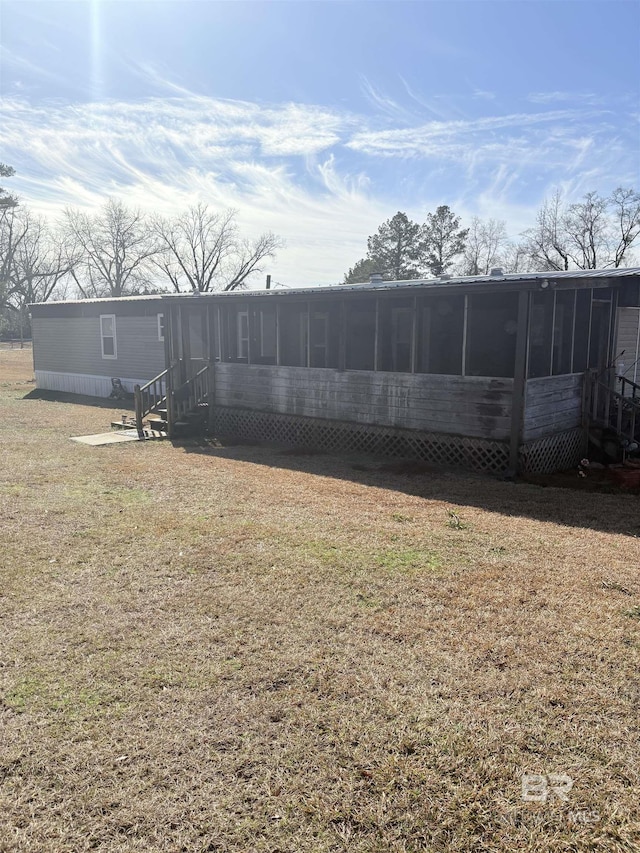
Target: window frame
(114, 337)
(161, 326)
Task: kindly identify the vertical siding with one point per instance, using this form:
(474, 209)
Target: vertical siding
(82, 383)
(471, 406)
(72, 345)
(552, 404)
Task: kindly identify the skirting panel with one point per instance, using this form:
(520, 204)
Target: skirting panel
(553, 452)
(339, 437)
(81, 383)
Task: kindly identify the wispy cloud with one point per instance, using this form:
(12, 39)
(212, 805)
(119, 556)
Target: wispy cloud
(383, 104)
(324, 178)
(584, 98)
(271, 163)
(483, 95)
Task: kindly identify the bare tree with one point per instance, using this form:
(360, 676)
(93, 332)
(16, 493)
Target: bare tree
(41, 261)
(546, 242)
(7, 200)
(13, 232)
(202, 251)
(515, 258)
(34, 262)
(626, 212)
(594, 233)
(484, 246)
(114, 247)
(587, 232)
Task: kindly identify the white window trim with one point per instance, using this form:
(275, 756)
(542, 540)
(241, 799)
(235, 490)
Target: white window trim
(160, 324)
(103, 336)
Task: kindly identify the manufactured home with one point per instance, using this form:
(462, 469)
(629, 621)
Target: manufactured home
(80, 346)
(495, 373)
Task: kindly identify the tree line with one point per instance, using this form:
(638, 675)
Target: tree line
(595, 233)
(118, 251)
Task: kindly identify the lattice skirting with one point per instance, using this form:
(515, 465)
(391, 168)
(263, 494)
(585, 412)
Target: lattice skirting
(339, 437)
(553, 452)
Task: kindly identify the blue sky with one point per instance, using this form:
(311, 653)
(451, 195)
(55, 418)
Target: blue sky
(319, 120)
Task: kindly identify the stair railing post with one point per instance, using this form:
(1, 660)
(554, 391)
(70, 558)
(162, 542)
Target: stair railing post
(168, 387)
(138, 400)
(211, 393)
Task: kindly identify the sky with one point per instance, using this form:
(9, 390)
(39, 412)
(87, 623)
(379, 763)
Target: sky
(319, 120)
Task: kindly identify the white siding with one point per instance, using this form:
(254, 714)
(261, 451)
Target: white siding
(81, 383)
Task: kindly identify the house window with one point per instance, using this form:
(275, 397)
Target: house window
(108, 335)
(160, 327)
(242, 339)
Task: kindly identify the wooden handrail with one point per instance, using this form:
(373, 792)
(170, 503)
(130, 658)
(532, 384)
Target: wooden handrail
(611, 408)
(160, 391)
(635, 388)
(149, 398)
(192, 392)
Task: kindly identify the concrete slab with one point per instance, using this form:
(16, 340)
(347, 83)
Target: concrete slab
(107, 437)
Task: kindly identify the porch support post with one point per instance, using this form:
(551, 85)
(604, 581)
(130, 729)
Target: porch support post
(376, 337)
(210, 313)
(414, 336)
(169, 359)
(519, 381)
(342, 341)
(185, 332)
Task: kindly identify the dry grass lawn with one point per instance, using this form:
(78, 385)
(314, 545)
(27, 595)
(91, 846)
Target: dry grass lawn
(238, 649)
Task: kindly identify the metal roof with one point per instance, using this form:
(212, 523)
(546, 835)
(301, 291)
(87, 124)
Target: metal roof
(453, 281)
(139, 298)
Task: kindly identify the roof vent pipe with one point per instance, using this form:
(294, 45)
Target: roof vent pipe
(496, 272)
(444, 276)
(375, 278)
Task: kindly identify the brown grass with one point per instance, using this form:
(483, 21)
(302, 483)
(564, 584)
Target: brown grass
(235, 649)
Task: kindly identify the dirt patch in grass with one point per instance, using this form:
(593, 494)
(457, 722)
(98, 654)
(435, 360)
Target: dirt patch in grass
(225, 648)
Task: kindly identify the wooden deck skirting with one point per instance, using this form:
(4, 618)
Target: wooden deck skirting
(333, 436)
(474, 407)
(449, 420)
